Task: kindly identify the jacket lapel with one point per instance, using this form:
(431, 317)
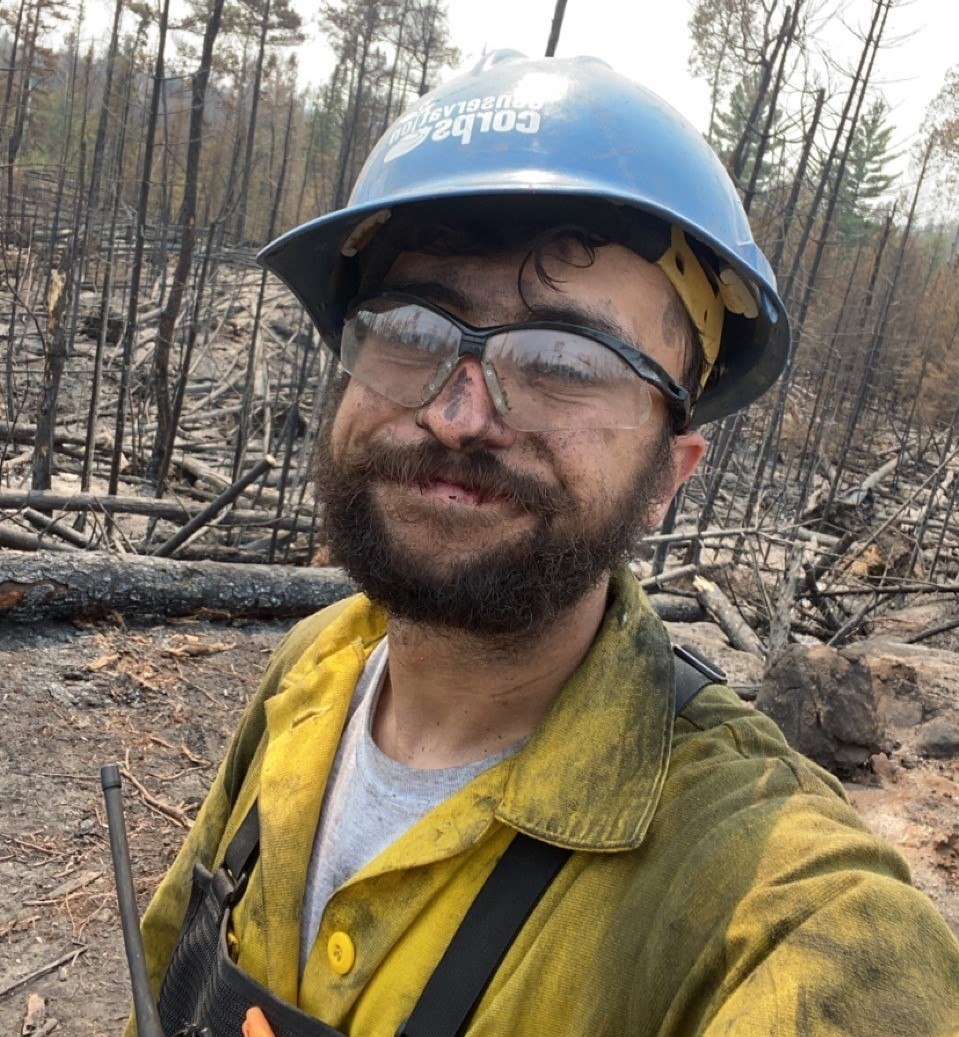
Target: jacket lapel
(304, 723)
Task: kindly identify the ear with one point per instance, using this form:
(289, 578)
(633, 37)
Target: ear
(687, 449)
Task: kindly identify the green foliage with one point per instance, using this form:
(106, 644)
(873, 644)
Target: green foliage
(728, 37)
(730, 127)
(867, 179)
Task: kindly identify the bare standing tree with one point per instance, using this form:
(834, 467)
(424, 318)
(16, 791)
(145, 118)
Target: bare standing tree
(277, 23)
(143, 202)
(163, 440)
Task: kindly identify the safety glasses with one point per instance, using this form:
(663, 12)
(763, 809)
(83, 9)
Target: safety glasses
(541, 375)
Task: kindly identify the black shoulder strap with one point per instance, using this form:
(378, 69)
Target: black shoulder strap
(693, 673)
(244, 847)
(507, 898)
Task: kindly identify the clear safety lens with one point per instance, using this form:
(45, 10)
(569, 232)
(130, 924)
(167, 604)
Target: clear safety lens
(399, 350)
(539, 379)
(553, 380)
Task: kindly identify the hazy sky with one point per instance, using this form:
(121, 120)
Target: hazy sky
(648, 40)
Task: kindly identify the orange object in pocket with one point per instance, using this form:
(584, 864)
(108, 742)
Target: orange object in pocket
(255, 1024)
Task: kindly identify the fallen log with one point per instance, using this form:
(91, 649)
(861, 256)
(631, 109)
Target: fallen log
(684, 536)
(220, 483)
(164, 508)
(71, 585)
(740, 633)
(47, 525)
(856, 494)
(117, 505)
(942, 627)
(11, 464)
(68, 585)
(677, 608)
(669, 576)
(19, 540)
(20, 432)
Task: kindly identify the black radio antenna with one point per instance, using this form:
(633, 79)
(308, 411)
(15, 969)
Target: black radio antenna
(148, 1018)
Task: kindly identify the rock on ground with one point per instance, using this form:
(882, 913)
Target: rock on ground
(840, 707)
(920, 686)
(827, 705)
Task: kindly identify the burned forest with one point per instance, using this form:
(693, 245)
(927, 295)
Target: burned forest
(160, 396)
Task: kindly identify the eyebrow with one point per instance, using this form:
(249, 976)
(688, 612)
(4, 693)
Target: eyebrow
(431, 291)
(564, 313)
(584, 317)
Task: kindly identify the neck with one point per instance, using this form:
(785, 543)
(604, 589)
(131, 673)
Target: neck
(452, 697)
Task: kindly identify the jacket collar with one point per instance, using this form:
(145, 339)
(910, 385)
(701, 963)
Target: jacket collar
(591, 776)
(592, 773)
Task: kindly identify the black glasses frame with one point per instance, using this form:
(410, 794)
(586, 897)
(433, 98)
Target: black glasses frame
(473, 343)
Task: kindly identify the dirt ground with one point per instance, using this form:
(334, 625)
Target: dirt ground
(162, 700)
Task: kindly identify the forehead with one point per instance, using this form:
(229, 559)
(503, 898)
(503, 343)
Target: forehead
(615, 290)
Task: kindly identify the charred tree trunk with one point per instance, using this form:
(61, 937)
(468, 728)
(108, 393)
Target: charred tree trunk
(555, 28)
(875, 345)
(352, 114)
(106, 293)
(798, 181)
(247, 168)
(740, 153)
(242, 433)
(23, 103)
(129, 333)
(181, 273)
(857, 89)
(55, 358)
(790, 25)
(68, 585)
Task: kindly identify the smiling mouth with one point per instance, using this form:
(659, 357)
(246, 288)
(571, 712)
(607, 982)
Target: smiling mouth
(456, 494)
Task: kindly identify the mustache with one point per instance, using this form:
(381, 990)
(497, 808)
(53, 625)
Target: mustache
(481, 472)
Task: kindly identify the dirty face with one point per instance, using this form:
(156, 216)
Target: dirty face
(448, 515)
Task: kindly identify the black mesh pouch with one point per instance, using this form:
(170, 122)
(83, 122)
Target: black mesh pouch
(203, 991)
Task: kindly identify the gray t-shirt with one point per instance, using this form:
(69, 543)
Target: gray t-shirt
(370, 800)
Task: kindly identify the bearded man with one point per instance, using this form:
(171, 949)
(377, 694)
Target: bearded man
(481, 797)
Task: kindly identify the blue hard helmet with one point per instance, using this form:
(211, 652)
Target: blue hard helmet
(559, 134)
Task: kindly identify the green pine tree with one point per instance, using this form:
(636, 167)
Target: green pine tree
(867, 178)
(729, 127)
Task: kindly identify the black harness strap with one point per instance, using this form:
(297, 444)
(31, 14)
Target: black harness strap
(507, 898)
(513, 889)
(244, 847)
(693, 673)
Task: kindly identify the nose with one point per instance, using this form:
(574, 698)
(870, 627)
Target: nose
(462, 414)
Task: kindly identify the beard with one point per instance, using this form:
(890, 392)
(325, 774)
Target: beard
(511, 589)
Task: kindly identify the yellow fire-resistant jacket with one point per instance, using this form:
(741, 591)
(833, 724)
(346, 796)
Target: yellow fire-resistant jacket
(721, 885)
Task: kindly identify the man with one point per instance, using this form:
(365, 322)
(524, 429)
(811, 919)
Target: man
(543, 282)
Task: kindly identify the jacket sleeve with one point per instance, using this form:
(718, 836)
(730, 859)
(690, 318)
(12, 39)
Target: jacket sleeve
(836, 943)
(779, 914)
(860, 954)
(164, 915)
(801, 923)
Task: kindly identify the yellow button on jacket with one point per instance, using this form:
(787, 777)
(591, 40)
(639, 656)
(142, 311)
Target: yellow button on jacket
(721, 885)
